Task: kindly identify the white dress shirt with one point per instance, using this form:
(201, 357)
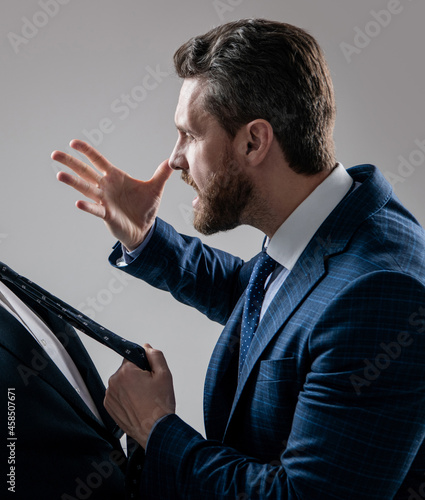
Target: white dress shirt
(49, 342)
(293, 236)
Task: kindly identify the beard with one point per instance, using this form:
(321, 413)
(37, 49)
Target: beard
(224, 199)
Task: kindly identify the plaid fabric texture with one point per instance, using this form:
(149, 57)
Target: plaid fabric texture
(330, 403)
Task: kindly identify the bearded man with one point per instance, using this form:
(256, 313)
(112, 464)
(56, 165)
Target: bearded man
(316, 387)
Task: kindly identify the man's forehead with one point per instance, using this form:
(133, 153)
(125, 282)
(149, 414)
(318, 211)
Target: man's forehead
(190, 107)
(191, 90)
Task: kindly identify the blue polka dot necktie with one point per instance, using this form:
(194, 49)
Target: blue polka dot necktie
(129, 350)
(255, 292)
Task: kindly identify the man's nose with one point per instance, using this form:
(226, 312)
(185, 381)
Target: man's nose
(177, 160)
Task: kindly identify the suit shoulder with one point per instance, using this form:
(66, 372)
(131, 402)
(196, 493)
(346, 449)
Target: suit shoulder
(389, 240)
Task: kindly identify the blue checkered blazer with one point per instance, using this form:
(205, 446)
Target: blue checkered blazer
(331, 401)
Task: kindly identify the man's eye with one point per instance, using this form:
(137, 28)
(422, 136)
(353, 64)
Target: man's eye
(189, 136)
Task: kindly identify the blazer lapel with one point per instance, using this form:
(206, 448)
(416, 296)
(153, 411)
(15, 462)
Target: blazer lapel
(306, 273)
(222, 376)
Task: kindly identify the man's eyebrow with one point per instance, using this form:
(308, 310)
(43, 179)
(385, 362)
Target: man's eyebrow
(184, 130)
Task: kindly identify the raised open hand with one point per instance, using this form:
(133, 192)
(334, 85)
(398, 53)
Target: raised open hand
(128, 206)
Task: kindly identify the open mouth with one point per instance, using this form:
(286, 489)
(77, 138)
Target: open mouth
(190, 182)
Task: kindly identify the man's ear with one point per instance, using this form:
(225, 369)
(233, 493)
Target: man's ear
(254, 140)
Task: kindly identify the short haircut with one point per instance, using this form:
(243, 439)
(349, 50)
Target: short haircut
(254, 68)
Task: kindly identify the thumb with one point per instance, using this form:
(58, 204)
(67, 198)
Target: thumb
(161, 175)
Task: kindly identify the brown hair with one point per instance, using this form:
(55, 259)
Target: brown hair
(254, 68)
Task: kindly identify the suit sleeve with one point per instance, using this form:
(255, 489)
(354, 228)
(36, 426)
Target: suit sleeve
(358, 424)
(197, 275)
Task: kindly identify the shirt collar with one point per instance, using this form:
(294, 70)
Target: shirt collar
(293, 236)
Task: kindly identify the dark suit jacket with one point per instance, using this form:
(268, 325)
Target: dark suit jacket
(331, 400)
(62, 452)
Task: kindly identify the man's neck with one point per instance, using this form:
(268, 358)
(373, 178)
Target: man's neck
(281, 194)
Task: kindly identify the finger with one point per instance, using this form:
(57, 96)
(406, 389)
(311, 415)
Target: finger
(79, 167)
(115, 375)
(126, 367)
(91, 208)
(161, 175)
(113, 407)
(84, 187)
(156, 359)
(92, 154)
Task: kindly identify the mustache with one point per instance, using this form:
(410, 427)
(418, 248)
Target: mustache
(188, 179)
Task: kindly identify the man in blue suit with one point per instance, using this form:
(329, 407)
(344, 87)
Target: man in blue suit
(326, 400)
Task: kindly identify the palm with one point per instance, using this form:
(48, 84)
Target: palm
(128, 206)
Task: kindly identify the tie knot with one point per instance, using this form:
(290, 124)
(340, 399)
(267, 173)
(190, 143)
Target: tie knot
(264, 266)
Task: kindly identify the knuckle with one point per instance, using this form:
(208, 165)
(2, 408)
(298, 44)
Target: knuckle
(97, 157)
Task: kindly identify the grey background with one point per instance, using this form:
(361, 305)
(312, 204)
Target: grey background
(63, 77)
